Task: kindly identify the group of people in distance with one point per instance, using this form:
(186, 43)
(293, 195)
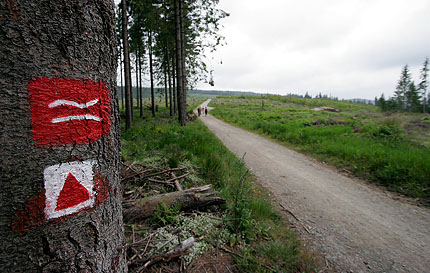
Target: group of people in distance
(200, 110)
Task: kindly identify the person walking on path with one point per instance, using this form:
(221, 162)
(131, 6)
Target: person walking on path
(206, 111)
(199, 110)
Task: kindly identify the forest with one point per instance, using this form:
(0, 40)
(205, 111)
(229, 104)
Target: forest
(169, 39)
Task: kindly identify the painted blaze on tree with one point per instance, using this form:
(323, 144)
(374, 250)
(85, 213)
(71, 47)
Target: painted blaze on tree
(68, 110)
(60, 205)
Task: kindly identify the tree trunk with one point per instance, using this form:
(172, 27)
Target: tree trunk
(120, 69)
(169, 81)
(60, 198)
(151, 75)
(166, 97)
(189, 199)
(184, 73)
(128, 97)
(131, 90)
(175, 91)
(140, 84)
(137, 78)
(179, 64)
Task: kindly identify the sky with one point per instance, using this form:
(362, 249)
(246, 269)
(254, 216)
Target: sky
(343, 48)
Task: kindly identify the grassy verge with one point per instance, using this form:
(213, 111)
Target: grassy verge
(390, 150)
(262, 242)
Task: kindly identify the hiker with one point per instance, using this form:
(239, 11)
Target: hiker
(199, 110)
(206, 111)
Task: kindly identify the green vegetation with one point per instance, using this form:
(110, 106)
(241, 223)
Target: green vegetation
(261, 241)
(409, 97)
(390, 149)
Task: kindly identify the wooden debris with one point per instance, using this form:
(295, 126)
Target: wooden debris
(178, 186)
(189, 199)
(178, 251)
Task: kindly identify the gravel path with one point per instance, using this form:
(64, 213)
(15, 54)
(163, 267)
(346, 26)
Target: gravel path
(357, 227)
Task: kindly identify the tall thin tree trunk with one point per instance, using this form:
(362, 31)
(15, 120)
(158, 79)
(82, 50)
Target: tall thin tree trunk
(170, 82)
(137, 78)
(140, 84)
(128, 105)
(166, 97)
(174, 91)
(151, 75)
(60, 204)
(179, 63)
(131, 91)
(184, 72)
(120, 70)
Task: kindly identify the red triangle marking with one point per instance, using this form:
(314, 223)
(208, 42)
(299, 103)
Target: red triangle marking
(72, 194)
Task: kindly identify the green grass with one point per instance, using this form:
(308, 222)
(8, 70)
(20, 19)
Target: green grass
(262, 241)
(388, 150)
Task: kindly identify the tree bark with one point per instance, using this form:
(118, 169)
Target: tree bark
(128, 97)
(136, 63)
(170, 82)
(140, 84)
(166, 97)
(120, 69)
(175, 91)
(45, 47)
(189, 199)
(151, 74)
(179, 64)
(184, 73)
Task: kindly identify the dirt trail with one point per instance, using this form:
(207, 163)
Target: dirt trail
(356, 226)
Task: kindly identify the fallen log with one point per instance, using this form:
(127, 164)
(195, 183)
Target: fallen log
(178, 251)
(189, 199)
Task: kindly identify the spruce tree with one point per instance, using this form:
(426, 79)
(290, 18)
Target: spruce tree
(424, 82)
(402, 88)
(413, 99)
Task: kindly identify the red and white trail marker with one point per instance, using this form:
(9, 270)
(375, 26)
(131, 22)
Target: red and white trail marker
(69, 188)
(68, 110)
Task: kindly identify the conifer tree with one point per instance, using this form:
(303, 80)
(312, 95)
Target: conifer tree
(424, 82)
(402, 88)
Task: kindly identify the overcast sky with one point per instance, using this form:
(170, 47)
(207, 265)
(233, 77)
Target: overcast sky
(346, 48)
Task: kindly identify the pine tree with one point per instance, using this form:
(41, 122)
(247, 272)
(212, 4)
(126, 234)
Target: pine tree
(413, 98)
(424, 82)
(402, 88)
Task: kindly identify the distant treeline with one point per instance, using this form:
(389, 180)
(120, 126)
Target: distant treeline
(223, 93)
(160, 92)
(291, 95)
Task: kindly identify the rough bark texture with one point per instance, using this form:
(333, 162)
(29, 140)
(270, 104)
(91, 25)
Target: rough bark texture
(68, 40)
(189, 199)
(179, 64)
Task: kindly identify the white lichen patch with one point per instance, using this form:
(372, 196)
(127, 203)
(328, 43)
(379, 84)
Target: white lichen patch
(206, 230)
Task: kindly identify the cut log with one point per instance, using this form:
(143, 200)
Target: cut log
(189, 199)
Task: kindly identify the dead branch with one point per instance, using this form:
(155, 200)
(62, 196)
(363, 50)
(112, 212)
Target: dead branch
(189, 199)
(178, 186)
(178, 251)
